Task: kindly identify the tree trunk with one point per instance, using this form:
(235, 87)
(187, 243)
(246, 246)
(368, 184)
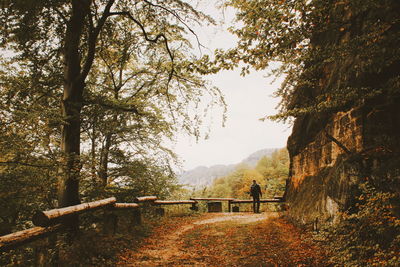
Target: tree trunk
(71, 105)
(93, 151)
(103, 170)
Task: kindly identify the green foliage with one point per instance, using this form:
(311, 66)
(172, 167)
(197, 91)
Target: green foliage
(369, 233)
(334, 54)
(270, 172)
(94, 248)
(136, 97)
(28, 160)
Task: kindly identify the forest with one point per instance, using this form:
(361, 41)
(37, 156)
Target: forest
(124, 88)
(271, 173)
(93, 91)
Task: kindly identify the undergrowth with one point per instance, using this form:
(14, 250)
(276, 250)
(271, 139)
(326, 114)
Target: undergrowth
(93, 245)
(368, 234)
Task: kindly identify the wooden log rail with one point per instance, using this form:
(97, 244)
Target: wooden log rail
(273, 200)
(174, 202)
(50, 221)
(146, 199)
(16, 239)
(211, 199)
(45, 218)
(238, 201)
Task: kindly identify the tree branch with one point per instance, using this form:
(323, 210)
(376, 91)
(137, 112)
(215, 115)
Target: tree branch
(111, 106)
(93, 34)
(173, 13)
(109, 69)
(330, 137)
(146, 36)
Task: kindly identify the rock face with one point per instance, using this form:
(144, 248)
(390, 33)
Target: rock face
(332, 152)
(323, 177)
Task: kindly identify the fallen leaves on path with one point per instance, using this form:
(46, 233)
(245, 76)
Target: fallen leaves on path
(226, 240)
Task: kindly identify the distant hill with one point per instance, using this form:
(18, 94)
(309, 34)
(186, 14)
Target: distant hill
(203, 176)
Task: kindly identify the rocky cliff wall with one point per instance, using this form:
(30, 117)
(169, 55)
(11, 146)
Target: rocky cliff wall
(324, 177)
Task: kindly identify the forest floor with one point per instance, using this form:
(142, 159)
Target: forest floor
(226, 239)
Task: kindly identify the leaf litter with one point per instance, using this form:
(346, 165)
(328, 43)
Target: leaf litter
(226, 239)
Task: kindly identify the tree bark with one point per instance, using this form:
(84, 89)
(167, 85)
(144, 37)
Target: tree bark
(75, 73)
(93, 150)
(71, 105)
(105, 152)
(103, 170)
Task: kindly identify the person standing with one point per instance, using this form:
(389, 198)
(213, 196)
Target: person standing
(255, 192)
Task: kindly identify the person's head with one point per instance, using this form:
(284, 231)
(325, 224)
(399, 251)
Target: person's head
(254, 181)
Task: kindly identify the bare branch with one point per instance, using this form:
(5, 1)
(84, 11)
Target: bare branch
(146, 36)
(180, 19)
(171, 74)
(109, 69)
(93, 34)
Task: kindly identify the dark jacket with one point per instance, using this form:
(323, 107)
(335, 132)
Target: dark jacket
(255, 190)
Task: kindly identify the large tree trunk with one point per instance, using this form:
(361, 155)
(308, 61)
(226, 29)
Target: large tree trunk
(71, 105)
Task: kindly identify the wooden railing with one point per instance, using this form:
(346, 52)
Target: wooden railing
(50, 221)
(239, 201)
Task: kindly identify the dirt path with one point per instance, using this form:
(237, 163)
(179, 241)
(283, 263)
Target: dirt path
(225, 239)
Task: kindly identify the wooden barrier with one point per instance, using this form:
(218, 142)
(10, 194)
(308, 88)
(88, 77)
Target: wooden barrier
(211, 199)
(18, 238)
(273, 200)
(146, 199)
(174, 202)
(54, 216)
(45, 218)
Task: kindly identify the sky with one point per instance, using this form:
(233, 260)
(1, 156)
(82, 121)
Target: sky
(248, 99)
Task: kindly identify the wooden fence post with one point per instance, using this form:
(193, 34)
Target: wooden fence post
(137, 217)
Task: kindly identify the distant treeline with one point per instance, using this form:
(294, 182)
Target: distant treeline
(270, 172)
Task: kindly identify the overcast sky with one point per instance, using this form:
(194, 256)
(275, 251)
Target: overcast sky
(248, 99)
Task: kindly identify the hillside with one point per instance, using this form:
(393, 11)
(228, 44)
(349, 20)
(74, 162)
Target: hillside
(203, 176)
